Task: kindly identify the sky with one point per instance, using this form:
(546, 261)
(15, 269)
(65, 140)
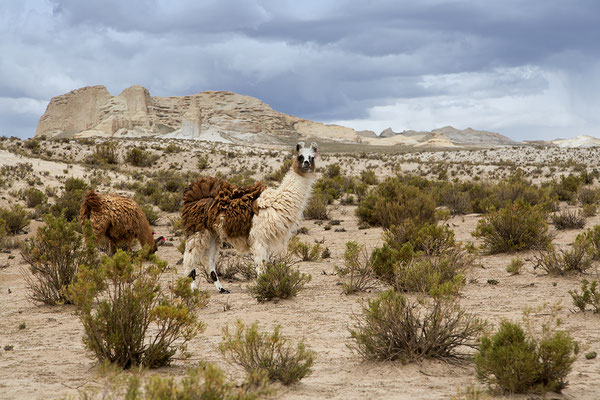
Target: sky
(528, 69)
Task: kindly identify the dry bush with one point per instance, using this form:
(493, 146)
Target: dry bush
(34, 197)
(590, 295)
(357, 272)
(128, 319)
(140, 158)
(568, 220)
(516, 227)
(577, 259)
(69, 203)
(54, 256)
(305, 251)
(515, 266)
(206, 381)
(269, 354)
(317, 207)
(230, 266)
(15, 218)
(393, 328)
(587, 195)
(278, 281)
(515, 362)
(151, 214)
(104, 153)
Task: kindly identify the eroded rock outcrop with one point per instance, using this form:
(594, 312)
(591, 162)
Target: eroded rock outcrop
(217, 116)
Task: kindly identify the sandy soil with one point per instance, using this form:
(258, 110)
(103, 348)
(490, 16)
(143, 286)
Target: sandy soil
(48, 359)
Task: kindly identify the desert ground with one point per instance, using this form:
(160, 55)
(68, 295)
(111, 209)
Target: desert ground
(41, 350)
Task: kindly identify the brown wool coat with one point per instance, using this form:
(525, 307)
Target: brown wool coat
(209, 202)
(118, 219)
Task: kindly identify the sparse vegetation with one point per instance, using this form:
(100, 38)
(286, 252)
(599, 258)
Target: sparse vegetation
(128, 320)
(15, 218)
(515, 266)
(269, 354)
(576, 259)
(278, 281)
(568, 220)
(305, 251)
(590, 295)
(357, 272)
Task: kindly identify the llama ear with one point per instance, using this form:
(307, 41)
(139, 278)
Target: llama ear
(160, 240)
(314, 148)
(299, 146)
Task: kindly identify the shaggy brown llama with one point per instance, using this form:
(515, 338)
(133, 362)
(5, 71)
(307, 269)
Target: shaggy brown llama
(252, 219)
(118, 220)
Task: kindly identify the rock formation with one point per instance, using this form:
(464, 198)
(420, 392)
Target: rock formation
(216, 116)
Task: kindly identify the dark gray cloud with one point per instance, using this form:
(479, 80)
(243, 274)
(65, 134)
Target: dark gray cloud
(367, 64)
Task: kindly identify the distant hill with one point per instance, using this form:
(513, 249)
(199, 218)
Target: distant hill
(581, 141)
(442, 137)
(214, 116)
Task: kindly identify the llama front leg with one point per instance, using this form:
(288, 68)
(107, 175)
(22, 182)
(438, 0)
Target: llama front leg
(261, 256)
(190, 257)
(213, 248)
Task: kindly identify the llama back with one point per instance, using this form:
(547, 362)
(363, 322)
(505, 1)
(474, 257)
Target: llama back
(207, 200)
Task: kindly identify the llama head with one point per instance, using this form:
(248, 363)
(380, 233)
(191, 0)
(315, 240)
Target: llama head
(159, 241)
(305, 158)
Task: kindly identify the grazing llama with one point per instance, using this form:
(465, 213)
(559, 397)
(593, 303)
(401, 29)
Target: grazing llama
(251, 219)
(118, 220)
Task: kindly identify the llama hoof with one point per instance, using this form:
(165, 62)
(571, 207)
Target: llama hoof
(224, 291)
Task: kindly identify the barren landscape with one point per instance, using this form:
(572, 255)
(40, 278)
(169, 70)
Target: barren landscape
(42, 354)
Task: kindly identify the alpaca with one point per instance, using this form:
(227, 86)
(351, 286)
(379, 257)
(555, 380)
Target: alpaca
(118, 220)
(253, 219)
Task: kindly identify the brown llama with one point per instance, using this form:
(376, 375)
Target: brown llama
(252, 219)
(118, 220)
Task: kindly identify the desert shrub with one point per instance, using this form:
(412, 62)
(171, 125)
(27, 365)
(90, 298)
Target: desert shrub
(591, 238)
(15, 218)
(202, 163)
(516, 362)
(206, 381)
(128, 320)
(516, 227)
(34, 197)
(587, 195)
(392, 202)
(515, 266)
(140, 158)
(590, 295)
(54, 256)
(172, 148)
(170, 202)
(429, 238)
(242, 179)
(33, 145)
(567, 219)
(278, 281)
(576, 259)
(305, 251)
(457, 202)
(151, 214)
(369, 177)
(516, 188)
(393, 328)
(271, 354)
(589, 210)
(73, 184)
(357, 272)
(317, 207)
(567, 188)
(278, 175)
(384, 260)
(105, 153)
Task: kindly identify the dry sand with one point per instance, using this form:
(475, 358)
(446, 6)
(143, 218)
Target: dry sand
(48, 359)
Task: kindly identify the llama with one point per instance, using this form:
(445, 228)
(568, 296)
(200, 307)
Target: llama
(118, 220)
(253, 219)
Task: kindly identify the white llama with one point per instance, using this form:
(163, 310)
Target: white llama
(251, 219)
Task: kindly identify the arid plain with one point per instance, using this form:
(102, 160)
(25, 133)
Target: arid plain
(42, 354)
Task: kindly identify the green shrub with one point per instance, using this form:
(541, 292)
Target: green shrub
(74, 184)
(515, 362)
(392, 202)
(589, 210)
(16, 218)
(207, 381)
(577, 259)
(54, 256)
(317, 207)
(172, 148)
(567, 188)
(429, 238)
(152, 215)
(69, 204)
(587, 196)
(278, 281)
(170, 202)
(105, 153)
(369, 177)
(357, 272)
(516, 227)
(590, 295)
(305, 251)
(34, 197)
(515, 266)
(457, 202)
(568, 220)
(128, 320)
(393, 328)
(424, 274)
(271, 354)
(202, 163)
(591, 238)
(140, 158)
(278, 175)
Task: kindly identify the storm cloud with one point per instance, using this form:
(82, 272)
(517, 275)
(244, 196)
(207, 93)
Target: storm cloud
(527, 69)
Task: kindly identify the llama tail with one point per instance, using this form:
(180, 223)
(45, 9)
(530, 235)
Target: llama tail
(92, 202)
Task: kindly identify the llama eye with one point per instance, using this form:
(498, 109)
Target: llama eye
(300, 159)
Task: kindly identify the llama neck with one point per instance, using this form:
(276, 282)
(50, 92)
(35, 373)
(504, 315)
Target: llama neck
(295, 189)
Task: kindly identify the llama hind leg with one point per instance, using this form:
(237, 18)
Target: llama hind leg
(213, 248)
(191, 255)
